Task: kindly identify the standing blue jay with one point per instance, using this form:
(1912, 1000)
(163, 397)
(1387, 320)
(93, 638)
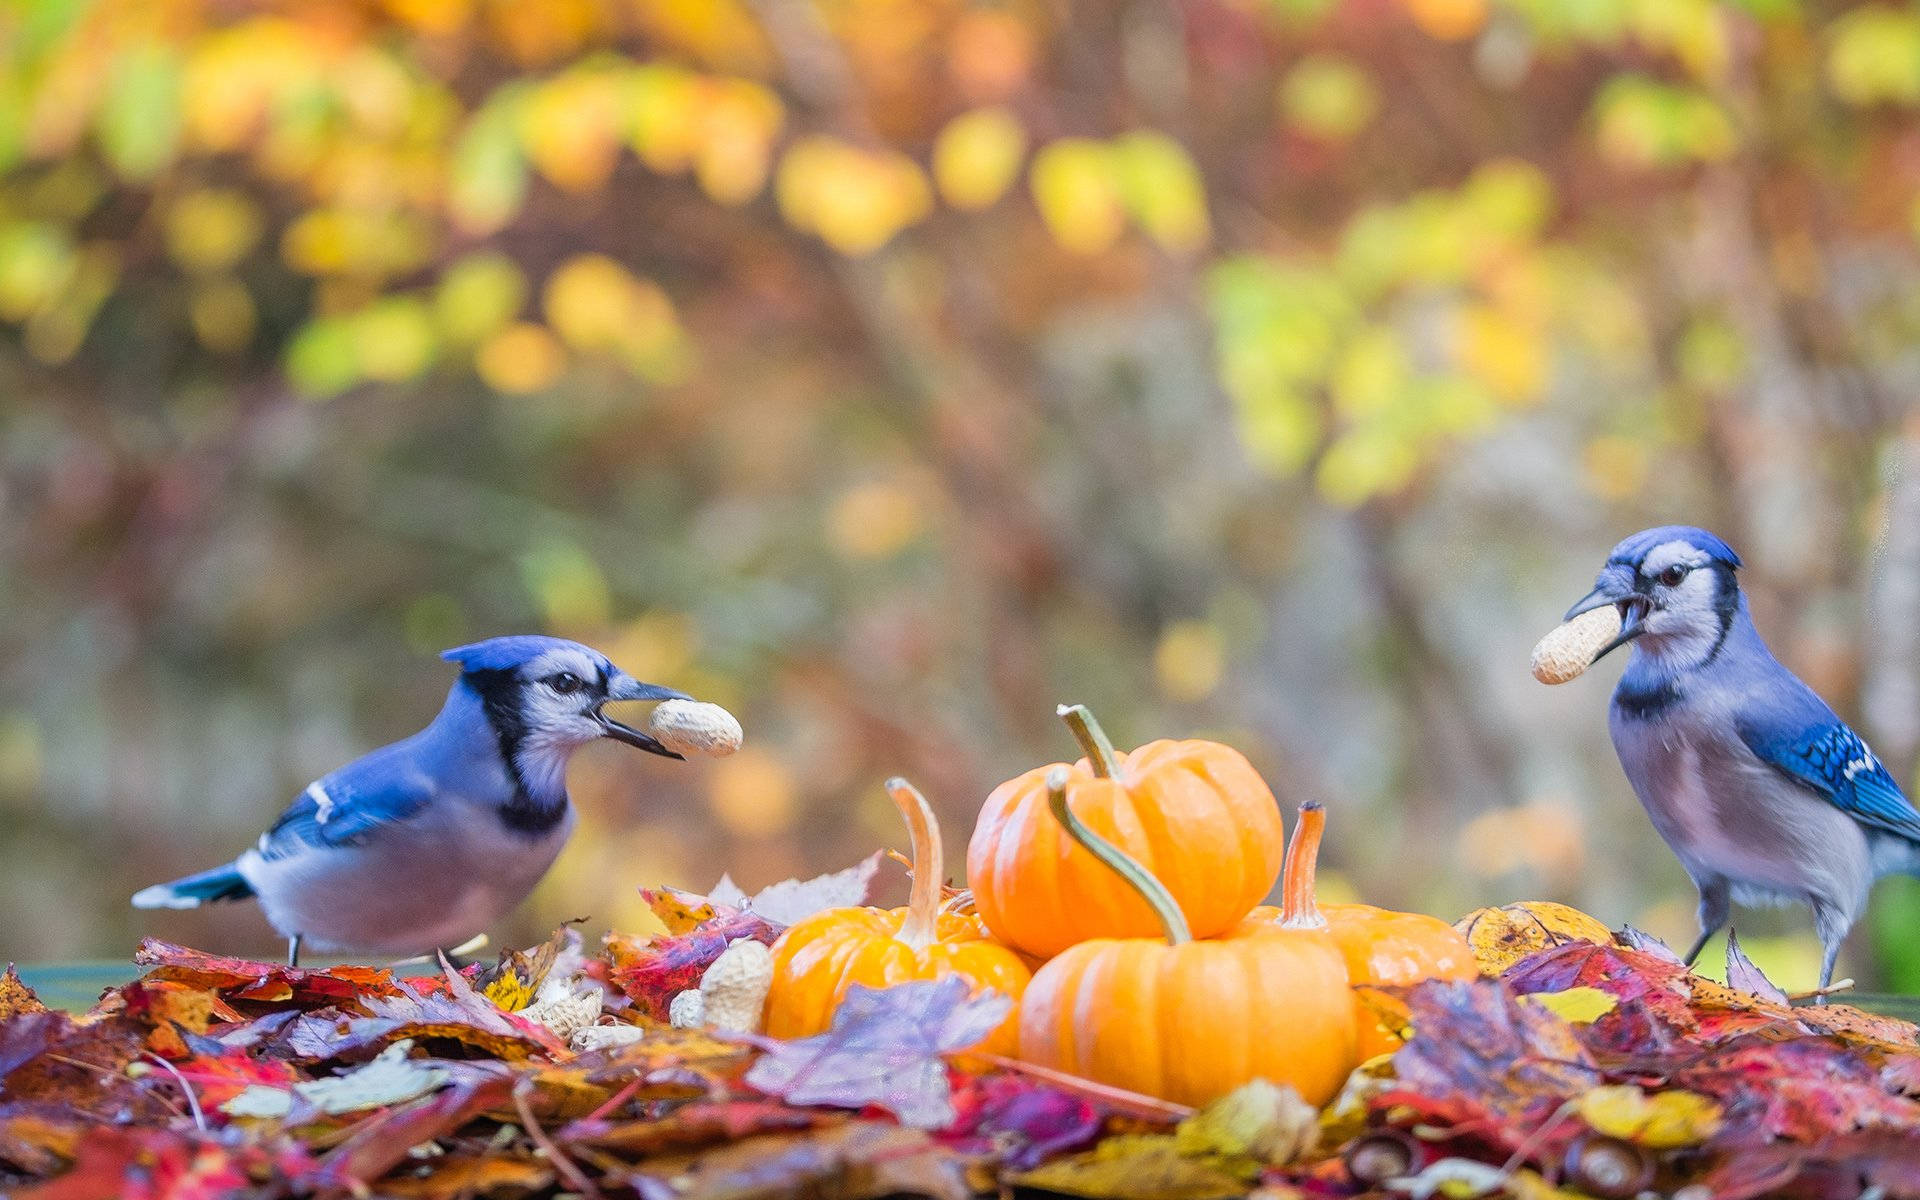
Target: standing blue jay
(425, 842)
(1765, 795)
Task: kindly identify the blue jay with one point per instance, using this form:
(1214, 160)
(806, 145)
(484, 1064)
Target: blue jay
(425, 842)
(1766, 796)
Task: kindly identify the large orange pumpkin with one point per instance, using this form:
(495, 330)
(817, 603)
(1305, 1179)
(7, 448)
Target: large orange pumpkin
(819, 957)
(1382, 947)
(1188, 1020)
(1195, 814)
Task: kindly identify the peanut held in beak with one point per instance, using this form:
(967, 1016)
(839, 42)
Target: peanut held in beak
(694, 727)
(1568, 651)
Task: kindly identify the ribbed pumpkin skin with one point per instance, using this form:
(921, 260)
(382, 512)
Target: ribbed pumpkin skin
(1387, 948)
(1196, 814)
(1190, 1023)
(819, 957)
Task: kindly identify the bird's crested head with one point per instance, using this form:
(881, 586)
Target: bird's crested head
(548, 694)
(1675, 588)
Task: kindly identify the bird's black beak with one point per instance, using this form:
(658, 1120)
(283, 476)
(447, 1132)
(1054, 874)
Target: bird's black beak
(625, 687)
(1616, 587)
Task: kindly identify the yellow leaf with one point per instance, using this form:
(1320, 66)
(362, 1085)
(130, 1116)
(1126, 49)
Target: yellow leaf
(1076, 187)
(509, 991)
(1580, 1005)
(1660, 1121)
(1162, 189)
(976, 157)
(1503, 936)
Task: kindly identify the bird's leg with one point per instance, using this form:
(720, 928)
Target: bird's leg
(1714, 910)
(1832, 924)
(293, 950)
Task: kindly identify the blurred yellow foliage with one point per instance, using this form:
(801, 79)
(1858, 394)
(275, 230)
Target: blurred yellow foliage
(595, 304)
(1873, 55)
(1190, 660)
(223, 314)
(211, 229)
(855, 200)
(1162, 188)
(753, 793)
(1077, 189)
(977, 156)
(874, 520)
(520, 359)
(1448, 20)
(1327, 96)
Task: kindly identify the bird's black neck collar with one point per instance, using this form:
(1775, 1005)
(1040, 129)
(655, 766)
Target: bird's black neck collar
(499, 695)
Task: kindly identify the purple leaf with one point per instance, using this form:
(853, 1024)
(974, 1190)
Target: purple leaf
(886, 1049)
(1646, 943)
(1743, 976)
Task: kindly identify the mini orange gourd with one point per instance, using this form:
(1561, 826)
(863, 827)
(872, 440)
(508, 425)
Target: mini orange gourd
(1194, 813)
(819, 957)
(1382, 947)
(1188, 1020)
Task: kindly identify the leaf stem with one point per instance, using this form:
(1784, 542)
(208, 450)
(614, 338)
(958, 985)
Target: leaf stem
(1094, 743)
(1155, 893)
(921, 926)
(1299, 907)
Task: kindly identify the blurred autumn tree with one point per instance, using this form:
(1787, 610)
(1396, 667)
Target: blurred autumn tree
(890, 369)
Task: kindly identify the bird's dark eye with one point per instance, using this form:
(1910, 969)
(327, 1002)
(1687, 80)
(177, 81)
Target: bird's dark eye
(1672, 576)
(566, 683)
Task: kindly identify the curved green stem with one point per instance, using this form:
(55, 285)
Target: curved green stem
(922, 923)
(1094, 743)
(1141, 880)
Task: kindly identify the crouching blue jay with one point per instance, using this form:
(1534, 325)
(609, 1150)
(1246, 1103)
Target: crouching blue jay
(1766, 796)
(423, 843)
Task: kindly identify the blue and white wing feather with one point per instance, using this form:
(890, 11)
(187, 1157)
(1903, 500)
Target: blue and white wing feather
(1832, 759)
(349, 806)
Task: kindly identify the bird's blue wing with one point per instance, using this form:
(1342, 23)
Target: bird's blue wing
(1830, 758)
(350, 805)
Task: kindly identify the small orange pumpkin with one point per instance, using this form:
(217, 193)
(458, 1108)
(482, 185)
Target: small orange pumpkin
(819, 957)
(1382, 947)
(1188, 1020)
(1195, 814)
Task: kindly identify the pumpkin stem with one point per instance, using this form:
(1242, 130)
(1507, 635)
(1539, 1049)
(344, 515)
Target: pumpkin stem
(921, 926)
(1299, 908)
(1094, 743)
(1155, 893)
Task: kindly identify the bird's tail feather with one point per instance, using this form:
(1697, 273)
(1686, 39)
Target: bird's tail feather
(221, 883)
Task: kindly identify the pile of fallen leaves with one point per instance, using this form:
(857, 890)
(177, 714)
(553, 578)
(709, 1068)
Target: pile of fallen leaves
(1575, 1068)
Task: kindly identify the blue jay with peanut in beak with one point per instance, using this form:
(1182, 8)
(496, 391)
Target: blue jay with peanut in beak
(1764, 794)
(423, 843)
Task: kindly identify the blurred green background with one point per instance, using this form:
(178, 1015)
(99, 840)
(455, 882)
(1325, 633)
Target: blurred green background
(890, 370)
